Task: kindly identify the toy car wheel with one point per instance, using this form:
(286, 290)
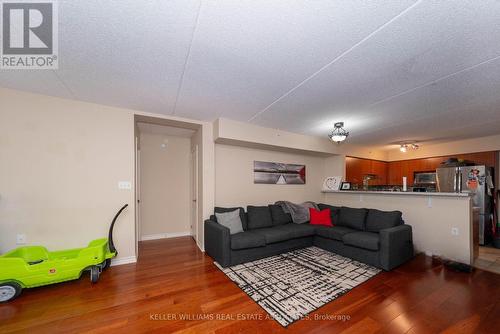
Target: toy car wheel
(9, 291)
(94, 274)
(105, 264)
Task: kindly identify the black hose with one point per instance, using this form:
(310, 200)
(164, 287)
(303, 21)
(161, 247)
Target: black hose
(110, 236)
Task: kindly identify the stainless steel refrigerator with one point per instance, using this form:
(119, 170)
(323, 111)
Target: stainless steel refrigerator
(469, 179)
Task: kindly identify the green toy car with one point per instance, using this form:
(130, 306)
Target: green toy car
(32, 266)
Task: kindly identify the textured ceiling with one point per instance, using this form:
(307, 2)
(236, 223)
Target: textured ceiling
(391, 70)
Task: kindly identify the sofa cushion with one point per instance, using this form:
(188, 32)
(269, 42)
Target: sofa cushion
(366, 240)
(377, 220)
(334, 212)
(279, 216)
(231, 220)
(353, 218)
(334, 233)
(243, 216)
(247, 239)
(321, 218)
(299, 230)
(259, 217)
(273, 234)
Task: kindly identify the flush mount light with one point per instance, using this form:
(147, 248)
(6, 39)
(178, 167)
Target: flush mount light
(404, 147)
(339, 134)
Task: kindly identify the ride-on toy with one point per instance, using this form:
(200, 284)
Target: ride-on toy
(32, 266)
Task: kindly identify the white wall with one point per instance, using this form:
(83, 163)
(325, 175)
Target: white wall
(60, 164)
(431, 223)
(235, 178)
(165, 185)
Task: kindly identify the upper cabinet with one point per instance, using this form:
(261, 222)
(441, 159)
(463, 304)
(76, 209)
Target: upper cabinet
(391, 173)
(357, 168)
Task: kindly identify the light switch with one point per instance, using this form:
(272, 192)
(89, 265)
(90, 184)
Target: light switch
(125, 185)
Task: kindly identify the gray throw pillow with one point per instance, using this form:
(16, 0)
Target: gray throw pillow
(231, 220)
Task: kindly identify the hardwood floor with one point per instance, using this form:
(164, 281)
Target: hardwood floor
(488, 259)
(173, 278)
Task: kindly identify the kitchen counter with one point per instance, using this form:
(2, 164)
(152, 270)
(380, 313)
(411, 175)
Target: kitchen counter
(404, 193)
(441, 222)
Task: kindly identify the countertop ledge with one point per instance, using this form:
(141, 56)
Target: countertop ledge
(404, 193)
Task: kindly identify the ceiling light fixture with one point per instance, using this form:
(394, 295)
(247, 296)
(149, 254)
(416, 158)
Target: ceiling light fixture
(404, 147)
(339, 134)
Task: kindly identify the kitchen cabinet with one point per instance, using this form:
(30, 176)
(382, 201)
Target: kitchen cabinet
(357, 168)
(394, 173)
(379, 168)
(391, 173)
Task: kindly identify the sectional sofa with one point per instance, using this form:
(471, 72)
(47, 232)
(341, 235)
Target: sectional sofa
(374, 237)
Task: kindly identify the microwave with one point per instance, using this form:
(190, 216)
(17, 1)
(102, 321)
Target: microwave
(424, 178)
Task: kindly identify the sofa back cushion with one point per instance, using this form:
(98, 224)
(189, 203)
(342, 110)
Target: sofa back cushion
(243, 216)
(353, 218)
(259, 217)
(334, 212)
(279, 216)
(231, 220)
(377, 220)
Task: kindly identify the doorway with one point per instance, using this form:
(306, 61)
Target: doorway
(167, 186)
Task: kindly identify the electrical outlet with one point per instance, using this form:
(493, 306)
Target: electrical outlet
(454, 231)
(21, 239)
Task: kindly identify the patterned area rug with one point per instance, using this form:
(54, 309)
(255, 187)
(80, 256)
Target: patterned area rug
(291, 285)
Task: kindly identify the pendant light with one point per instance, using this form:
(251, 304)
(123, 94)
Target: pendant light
(339, 134)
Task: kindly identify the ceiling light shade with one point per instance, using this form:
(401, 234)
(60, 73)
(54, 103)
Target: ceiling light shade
(414, 146)
(339, 134)
(403, 148)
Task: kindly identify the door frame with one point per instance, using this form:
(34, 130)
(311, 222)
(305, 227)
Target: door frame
(137, 194)
(194, 214)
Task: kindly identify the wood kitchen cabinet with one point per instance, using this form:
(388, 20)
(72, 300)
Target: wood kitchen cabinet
(357, 168)
(391, 173)
(379, 168)
(394, 173)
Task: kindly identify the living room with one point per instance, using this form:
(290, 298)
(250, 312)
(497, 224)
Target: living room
(282, 173)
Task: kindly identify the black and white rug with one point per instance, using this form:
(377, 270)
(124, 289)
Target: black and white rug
(291, 285)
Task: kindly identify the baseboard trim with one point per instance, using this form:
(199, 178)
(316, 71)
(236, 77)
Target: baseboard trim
(165, 235)
(123, 260)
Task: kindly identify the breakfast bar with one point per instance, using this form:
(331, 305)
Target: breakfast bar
(441, 222)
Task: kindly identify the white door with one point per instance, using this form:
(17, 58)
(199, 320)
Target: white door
(194, 192)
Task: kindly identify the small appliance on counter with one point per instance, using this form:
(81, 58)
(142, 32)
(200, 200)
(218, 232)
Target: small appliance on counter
(424, 178)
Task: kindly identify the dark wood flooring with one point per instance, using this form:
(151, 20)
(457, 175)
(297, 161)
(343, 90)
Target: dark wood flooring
(173, 278)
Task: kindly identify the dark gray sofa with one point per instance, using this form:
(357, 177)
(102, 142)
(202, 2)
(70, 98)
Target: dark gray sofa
(370, 236)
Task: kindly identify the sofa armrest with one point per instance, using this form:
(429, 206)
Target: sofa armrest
(218, 242)
(396, 246)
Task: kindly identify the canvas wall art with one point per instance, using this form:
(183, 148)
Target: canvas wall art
(278, 173)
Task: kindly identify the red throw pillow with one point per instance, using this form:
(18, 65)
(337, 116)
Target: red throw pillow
(320, 217)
